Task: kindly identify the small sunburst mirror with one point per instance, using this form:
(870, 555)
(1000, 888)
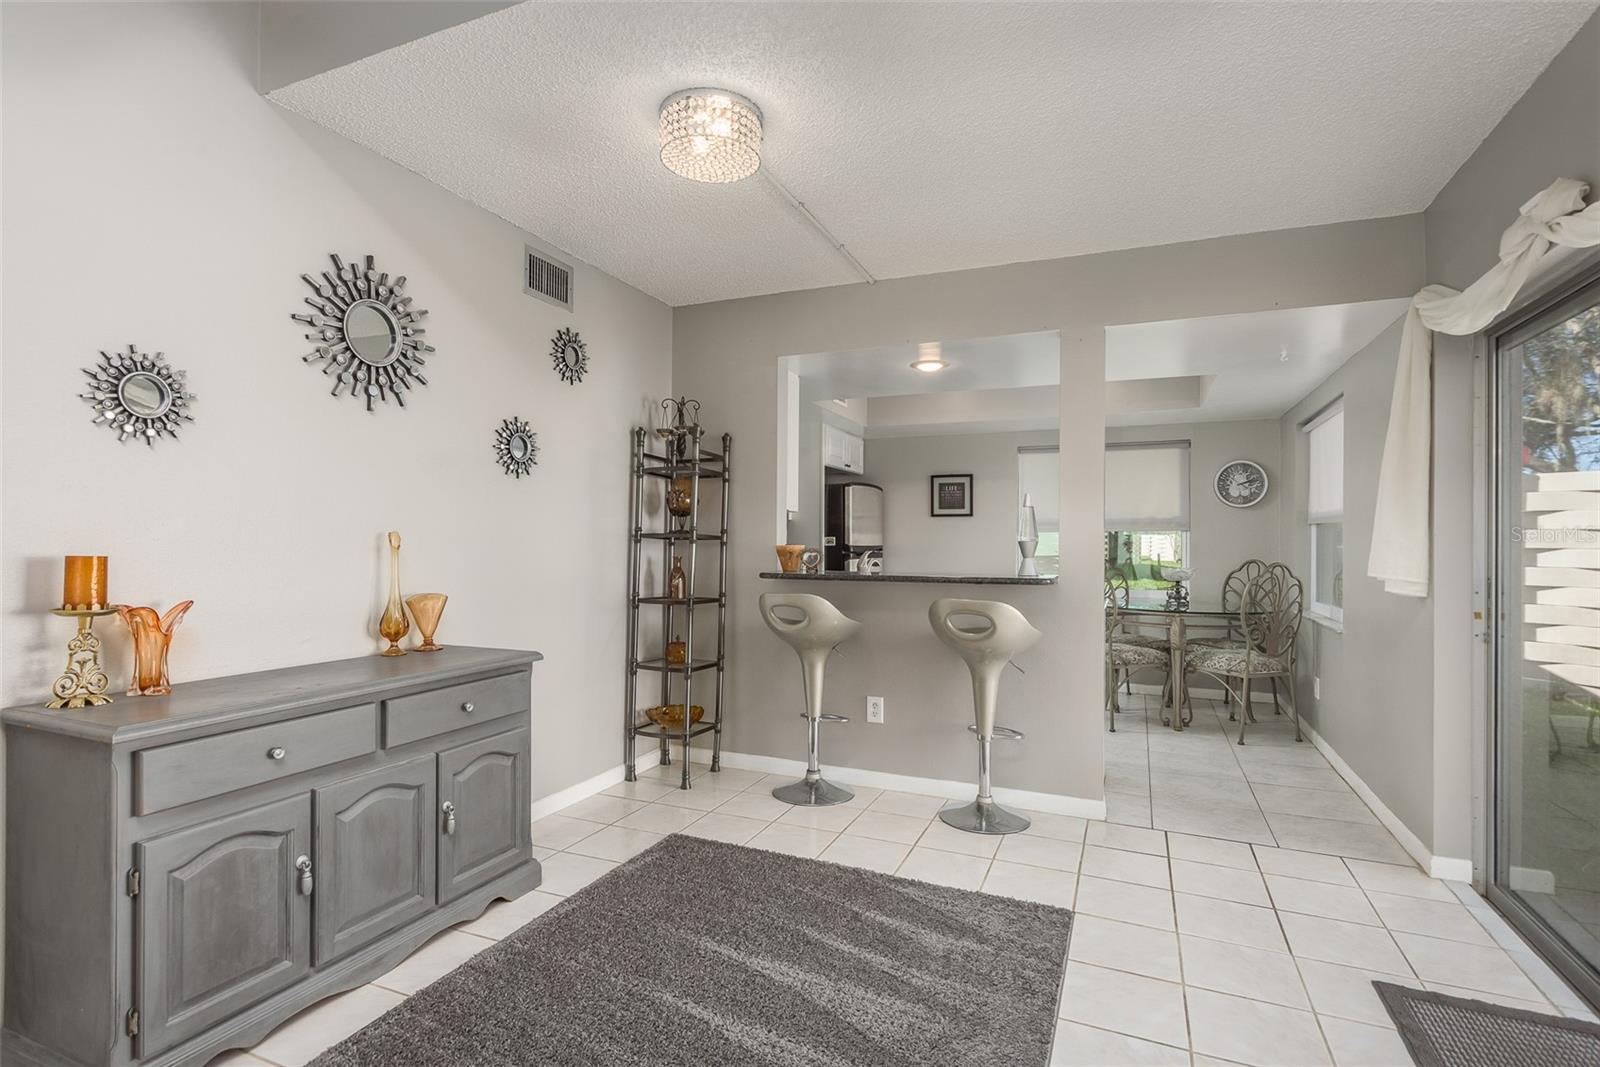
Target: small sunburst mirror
(367, 334)
(570, 355)
(516, 447)
(138, 394)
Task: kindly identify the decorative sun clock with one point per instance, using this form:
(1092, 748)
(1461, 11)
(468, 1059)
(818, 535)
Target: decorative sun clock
(1241, 483)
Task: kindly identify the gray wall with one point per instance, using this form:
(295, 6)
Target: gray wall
(1220, 537)
(1376, 708)
(1552, 132)
(726, 354)
(985, 543)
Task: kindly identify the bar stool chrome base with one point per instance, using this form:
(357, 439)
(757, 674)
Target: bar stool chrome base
(813, 793)
(984, 817)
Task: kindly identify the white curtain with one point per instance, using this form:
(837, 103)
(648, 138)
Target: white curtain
(1147, 486)
(1401, 547)
(1325, 493)
(1039, 479)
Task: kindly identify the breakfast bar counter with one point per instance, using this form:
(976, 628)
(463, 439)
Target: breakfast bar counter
(926, 579)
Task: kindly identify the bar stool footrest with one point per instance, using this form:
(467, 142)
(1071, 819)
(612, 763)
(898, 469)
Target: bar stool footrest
(1001, 733)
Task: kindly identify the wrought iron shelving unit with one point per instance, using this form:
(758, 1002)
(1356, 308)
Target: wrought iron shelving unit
(686, 458)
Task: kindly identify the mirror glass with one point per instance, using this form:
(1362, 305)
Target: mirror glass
(144, 394)
(371, 332)
(571, 355)
(519, 447)
(914, 458)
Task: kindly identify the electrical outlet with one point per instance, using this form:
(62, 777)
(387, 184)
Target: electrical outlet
(875, 709)
(1316, 687)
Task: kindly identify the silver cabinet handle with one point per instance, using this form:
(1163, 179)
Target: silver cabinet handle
(275, 752)
(467, 707)
(449, 810)
(303, 865)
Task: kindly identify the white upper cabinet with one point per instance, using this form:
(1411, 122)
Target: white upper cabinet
(842, 449)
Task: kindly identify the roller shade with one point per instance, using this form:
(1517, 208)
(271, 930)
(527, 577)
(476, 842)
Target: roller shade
(1039, 477)
(1147, 486)
(1325, 479)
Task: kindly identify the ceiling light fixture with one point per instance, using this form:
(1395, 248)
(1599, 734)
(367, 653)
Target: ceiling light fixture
(710, 135)
(929, 358)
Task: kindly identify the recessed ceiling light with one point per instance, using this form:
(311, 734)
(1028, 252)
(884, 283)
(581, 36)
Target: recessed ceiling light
(929, 358)
(710, 135)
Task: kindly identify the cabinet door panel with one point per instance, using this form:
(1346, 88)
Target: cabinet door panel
(222, 921)
(486, 785)
(375, 854)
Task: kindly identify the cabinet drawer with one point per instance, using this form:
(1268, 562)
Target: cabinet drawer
(193, 770)
(411, 718)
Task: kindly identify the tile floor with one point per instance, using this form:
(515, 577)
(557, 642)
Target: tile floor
(1234, 910)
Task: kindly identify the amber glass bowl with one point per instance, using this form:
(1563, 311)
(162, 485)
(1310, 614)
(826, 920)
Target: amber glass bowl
(670, 716)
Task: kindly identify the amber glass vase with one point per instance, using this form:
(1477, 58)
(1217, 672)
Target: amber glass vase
(152, 637)
(677, 581)
(394, 625)
(426, 609)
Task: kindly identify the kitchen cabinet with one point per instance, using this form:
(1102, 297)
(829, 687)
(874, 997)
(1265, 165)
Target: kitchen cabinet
(183, 873)
(842, 450)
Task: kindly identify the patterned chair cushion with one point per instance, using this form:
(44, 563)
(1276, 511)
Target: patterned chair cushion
(1233, 661)
(1145, 640)
(1215, 642)
(1124, 655)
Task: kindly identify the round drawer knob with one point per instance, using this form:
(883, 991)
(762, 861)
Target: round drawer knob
(467, 707)
(275, 753)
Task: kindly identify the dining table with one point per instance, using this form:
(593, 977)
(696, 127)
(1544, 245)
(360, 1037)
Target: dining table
(1207, 619)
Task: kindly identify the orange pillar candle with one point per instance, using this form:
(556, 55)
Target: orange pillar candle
(85, 584)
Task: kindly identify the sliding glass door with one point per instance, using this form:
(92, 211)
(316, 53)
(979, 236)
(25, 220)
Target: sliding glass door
(1544, 868)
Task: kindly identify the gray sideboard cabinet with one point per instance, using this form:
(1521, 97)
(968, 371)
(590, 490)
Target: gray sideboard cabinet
(183, 873)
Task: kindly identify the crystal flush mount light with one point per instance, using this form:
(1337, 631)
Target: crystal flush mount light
(710, 135)
(929, 358)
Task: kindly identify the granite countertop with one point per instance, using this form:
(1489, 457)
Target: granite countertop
(926, 579)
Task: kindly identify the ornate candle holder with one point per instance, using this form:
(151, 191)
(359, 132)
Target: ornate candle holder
(84, 683)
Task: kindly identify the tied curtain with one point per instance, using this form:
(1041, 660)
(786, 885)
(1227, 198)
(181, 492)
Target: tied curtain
(1401, 546)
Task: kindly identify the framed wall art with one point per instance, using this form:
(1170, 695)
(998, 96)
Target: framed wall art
(950, 496)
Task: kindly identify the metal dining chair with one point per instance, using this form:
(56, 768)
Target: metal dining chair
(1123, 657)
(1270, 614)
(1233, 588)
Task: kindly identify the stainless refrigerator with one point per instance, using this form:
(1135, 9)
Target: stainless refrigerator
(853, 522)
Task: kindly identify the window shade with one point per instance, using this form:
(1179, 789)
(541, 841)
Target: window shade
(1039, 477)
(1147, 486)
(1325, 479)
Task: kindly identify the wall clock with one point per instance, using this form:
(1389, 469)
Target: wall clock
(1241, 483)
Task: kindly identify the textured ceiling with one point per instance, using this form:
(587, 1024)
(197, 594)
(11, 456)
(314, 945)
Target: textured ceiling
(936, 137)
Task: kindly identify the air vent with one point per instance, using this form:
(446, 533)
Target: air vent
(547, 278)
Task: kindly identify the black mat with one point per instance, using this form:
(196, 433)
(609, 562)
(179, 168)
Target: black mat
(1443, 1031)
(697, 953)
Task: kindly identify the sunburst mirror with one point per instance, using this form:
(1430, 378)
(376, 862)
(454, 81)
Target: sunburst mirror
(570, 355)
(516, 447)
(366, 332)
(138, 395)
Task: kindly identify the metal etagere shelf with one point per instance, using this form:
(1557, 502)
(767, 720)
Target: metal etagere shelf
(683, 460)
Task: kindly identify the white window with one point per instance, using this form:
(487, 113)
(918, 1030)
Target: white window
(1039, 481)
(1325, 511)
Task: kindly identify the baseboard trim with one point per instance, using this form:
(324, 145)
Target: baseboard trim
(561, 798)
(1448, 868)
(1533, 880)
(1054, 803)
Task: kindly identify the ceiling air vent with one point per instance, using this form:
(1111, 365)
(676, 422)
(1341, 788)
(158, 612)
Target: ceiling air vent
(547, 278)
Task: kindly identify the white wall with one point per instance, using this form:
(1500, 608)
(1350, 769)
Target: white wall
(152, 196)
(919, 543)
(1221, 537)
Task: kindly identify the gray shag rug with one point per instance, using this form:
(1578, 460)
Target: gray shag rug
(700, 953)
(1445, 1031)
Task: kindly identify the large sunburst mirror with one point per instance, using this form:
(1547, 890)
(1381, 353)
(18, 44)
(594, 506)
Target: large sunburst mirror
(366, 332)
(138, 395)
(516, 447)
(570, 355)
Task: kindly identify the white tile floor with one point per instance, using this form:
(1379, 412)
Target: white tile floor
(1217, 923)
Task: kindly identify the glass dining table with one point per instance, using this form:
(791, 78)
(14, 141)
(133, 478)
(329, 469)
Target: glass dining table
(1180, 624)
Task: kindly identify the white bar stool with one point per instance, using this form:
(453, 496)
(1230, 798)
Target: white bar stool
(812, 627)
(987, 634)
